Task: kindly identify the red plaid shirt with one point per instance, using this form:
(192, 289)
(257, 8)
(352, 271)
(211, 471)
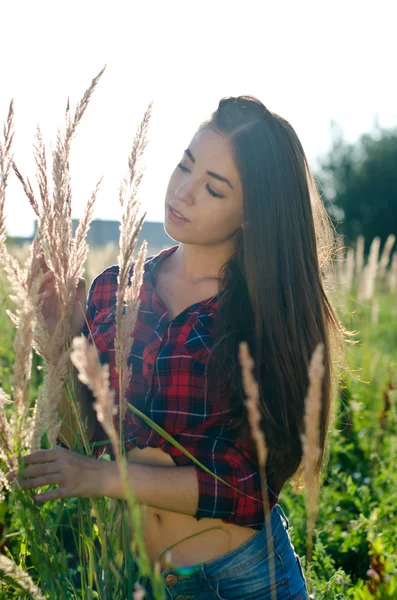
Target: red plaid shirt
(168, 384)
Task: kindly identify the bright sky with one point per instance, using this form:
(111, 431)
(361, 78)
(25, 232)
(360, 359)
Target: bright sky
(310, 61)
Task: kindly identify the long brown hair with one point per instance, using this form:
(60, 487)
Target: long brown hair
(273, 288)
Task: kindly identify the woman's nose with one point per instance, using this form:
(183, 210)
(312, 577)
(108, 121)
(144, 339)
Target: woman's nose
(185, 193)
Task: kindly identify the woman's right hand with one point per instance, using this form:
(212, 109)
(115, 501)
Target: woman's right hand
(50, 305)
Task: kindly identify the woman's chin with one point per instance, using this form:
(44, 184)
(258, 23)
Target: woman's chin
(170, 231)
(174, 234)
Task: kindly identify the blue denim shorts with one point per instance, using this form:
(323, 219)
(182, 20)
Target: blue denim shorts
(243, 573)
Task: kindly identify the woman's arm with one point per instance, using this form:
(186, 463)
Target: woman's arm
(163, 487)
(183, 489)
(166, 487)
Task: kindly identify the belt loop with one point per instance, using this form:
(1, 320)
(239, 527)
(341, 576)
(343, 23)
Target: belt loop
(283, 515)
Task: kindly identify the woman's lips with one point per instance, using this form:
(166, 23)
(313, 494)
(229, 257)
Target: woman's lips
(172, 216)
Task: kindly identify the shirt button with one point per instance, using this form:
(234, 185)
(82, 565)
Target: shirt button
(150, 366)
(171, 579)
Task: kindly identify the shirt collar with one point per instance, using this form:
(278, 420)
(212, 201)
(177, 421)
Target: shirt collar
(153, 262)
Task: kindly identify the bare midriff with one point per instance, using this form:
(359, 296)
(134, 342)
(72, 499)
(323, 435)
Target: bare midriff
(165, 528)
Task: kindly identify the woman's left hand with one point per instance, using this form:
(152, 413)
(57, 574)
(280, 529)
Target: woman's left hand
(75, 475)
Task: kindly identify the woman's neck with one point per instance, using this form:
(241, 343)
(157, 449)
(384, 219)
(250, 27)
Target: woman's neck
(193, 263)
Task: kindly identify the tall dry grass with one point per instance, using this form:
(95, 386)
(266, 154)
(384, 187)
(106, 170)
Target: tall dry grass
(66, 254)
(310, 443)
(25, 583)
(252, 404)
(352, 275)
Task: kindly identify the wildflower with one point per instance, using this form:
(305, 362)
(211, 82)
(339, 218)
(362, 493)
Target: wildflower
(139, 593)
(373, 574)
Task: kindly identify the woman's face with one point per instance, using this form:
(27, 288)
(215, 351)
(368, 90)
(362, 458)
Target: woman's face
(212, 219)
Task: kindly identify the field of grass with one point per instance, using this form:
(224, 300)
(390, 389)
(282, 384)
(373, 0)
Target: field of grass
(355, 549)
(355, 538)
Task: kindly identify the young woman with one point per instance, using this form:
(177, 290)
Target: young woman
(253, 243)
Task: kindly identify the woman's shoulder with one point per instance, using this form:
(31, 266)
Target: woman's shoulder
(104, 286)
(106, 277)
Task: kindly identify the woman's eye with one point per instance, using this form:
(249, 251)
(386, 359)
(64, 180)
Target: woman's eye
(213, 193)
(183, 168)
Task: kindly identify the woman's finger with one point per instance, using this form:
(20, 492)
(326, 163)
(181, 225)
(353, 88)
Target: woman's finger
(59, 492)
(48, 276)
(48, 282)
(43, 456)
(39, 469)
(45, 294)
(43, 262)
(53, 479)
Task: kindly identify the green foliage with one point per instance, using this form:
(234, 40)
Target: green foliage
(355, 540)
(7, 335)
(357, 524)
(359, 183)
(70, 547)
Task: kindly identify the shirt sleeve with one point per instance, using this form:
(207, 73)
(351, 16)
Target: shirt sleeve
(101, 295)
(219, 501)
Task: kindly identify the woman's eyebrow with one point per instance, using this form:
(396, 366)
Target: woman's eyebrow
(211, 173)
